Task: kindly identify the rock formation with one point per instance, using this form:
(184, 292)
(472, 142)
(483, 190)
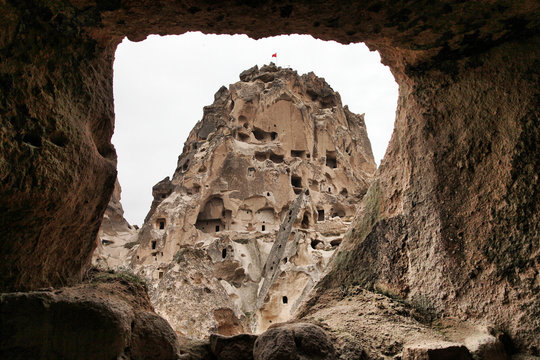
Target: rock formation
(457, 200)
(294, 341)
(115, 238)
(264, 191)
(237, 272)
(109, 316)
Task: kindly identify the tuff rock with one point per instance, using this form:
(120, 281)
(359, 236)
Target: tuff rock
(115, 237)
(108, 317)
(293, 341)
(456, 200)
(264, 191)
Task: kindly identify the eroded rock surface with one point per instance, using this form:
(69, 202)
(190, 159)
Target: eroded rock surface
(239, 347)
(435, 226)
(108, 318)
(262, 196)
(367, 325)
(116, 236)
(459, 201)
(293, 341)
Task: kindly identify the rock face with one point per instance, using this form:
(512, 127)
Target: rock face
(239, 347)
(295, 341)
(437, 231)
(263, 194)
(108, 318)
(115, 238)
(458, 199)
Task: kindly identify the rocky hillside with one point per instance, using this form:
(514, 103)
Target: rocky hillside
(264, 192)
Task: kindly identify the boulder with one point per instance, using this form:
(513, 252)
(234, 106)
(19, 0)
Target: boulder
(485, 347)
(152, 337)
(294, 341)
(238, 347)
(104, 320)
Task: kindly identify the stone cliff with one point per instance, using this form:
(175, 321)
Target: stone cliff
(264, 192)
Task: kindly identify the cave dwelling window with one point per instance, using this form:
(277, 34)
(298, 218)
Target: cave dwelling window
(161, 224)
(331, 159)
(320, 215)
(296, 181)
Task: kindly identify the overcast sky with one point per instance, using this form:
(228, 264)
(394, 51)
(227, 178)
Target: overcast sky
(161, 85)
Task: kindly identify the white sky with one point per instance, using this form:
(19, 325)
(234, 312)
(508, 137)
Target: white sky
(161, 85)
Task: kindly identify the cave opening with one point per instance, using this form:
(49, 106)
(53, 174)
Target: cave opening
(335, 243)
(297, 153)
(260, 134)
(260, 156)
(243, 137)
(296, 181)
(160, 223)
(275, 158)
(208, 220)
(305, 221)
(331, 159)
(317, 244)
(163, 74)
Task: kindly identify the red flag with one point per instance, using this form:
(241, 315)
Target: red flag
(274, 55)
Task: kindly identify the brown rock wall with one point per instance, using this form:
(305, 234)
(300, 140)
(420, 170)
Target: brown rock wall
(107, 318)
(458, 162)
(57, 166)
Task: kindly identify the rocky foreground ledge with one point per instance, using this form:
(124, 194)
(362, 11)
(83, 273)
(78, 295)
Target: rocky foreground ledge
(109, 316)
